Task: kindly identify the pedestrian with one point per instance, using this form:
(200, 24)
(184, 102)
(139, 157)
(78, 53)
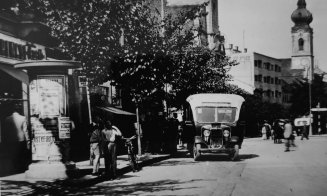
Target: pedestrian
(288, 136)
(110, 134)
(268, 129)
(159, 132)
(172, 132)
(280, 131)
(273, 135)
(96, 145)
(304, 131)
(16, 138)
(149, 133)
(94, 125)
(264, 132)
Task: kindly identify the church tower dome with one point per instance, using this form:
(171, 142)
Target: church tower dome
(302, 40)
(301, 16)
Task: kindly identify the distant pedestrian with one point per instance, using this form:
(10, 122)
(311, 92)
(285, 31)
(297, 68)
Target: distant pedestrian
(172, 134)
(278, 132)
(264, 132)
(110, 134)
(288, 136)
(160, 130)
(268, 129)
(304, 131)
(96, 145)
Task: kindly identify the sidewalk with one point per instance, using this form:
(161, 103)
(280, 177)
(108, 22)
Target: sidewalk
(18, 184)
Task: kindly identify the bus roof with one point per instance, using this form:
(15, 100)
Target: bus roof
(216, 100)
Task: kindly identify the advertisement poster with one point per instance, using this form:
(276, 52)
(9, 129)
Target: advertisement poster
(47, 95)
(64, 127)
(51, 95)
(45, 137)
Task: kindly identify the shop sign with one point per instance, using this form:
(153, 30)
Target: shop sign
(82, 81)
(20, 51)
(319, 109)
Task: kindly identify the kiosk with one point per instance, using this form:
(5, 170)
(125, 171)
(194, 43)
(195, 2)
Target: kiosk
(52, 92)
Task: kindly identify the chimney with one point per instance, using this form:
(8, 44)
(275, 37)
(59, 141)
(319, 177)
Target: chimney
(236, 48)
(230, 46)
(245, 50)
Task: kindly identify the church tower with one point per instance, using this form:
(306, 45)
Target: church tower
(302, 40)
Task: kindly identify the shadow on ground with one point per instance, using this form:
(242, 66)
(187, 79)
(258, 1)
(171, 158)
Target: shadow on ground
(106, 188)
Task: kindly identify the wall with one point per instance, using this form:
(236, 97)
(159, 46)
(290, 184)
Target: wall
(243, 73)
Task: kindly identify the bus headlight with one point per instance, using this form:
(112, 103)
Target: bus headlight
(226, 133)
(206, 133)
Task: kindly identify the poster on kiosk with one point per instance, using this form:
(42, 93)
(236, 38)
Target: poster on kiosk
(48, 121)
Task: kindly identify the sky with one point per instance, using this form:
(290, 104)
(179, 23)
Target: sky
(264, 26)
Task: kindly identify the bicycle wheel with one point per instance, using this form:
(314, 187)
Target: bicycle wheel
(133, 162)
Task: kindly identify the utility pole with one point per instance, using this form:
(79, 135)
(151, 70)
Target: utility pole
(310, 113)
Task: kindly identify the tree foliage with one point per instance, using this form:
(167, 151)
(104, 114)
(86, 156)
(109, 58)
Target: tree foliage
(300, 95)
(199, 70)
(127, 42)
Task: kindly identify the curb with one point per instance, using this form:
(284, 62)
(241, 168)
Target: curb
(18, 186)
(88, 180)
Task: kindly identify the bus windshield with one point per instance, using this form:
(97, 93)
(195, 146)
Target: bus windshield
(215, 114)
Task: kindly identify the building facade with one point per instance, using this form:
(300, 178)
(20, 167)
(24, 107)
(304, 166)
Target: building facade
(209, 24)
(258, 74)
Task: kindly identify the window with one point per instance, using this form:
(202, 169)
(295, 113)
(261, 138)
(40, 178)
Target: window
(260, 78)
(215, 114)
(301, 44)
(268, 93)
(276, 80)
(259, 63)
(271, 80)
(256, 78)
(255, 63)
(279, 69)
(268, 79)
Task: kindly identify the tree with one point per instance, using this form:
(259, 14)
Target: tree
(199, 70)
(300, 95)
(128, 43)
(150, 48)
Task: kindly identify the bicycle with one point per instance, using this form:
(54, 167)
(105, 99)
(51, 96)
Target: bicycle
(131, 154)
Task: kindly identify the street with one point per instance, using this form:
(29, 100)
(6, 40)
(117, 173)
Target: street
(264, 169)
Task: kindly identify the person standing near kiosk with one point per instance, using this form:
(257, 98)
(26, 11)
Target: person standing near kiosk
(110, 134)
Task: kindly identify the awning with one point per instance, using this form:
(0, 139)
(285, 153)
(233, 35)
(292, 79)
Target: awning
(16, 73)
(115, 111)
(63, 64)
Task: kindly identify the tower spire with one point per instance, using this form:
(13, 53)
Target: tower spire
(301, 4)
(301, 16)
